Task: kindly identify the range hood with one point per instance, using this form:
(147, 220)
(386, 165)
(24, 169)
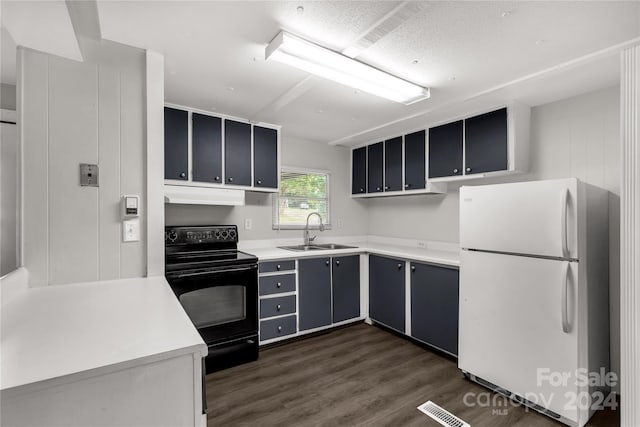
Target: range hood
(189, 195)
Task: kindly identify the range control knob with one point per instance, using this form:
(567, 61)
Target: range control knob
(232, 234)
(224, 234)
(217, 234)
(172, 235)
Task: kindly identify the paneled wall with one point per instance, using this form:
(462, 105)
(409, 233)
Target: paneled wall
(72, 113)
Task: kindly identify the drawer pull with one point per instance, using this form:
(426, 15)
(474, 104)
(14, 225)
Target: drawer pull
(278, 267)
(326, 262)
(278, 285)
(278, 307)
(399, 266)
(337, 262)
(279, 328)
(413, 268)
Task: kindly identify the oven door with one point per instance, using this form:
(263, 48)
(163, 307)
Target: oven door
(222, 302)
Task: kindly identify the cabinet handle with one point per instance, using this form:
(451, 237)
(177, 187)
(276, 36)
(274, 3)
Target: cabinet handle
(338, 262)
(468, 169)
(362, 190)
(399, 266)
(230, 179)
(278, 285)
(217, 178)
(278, 267)
(326, 262)
(259, 182)
(455, 170)
(279, 328)
(278, 307)
(413, 268)
(407, 185)
(182, 174)
(386, 187)
(377, 188)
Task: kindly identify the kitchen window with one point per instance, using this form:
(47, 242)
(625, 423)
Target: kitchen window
(302, 191)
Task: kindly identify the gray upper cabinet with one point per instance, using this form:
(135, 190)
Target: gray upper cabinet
(446, 149)
(486, 142)
(223, 152)
(387, 291)
(414, 161)
(434, 306)
(346, 287)
(237, 144)
(375, 165)
(176, 144)
(359, 171)
(207, 148)
(265, 147)
(393, 164)
(314, 293)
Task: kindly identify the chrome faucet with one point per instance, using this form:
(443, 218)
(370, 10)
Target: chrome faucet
(307, 239)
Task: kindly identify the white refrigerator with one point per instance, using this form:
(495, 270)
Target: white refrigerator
(534, 311)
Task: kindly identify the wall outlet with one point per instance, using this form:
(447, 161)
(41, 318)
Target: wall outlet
(339, 222)
(131, 230)
(422, 244)
(248, 223)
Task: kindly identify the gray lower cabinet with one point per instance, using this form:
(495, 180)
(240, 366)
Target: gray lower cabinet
(434, 306)
(346, 287)
(314, 293)
(278, 327)
(387, 291)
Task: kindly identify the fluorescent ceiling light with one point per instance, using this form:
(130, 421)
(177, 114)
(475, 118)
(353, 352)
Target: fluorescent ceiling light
(323, 62)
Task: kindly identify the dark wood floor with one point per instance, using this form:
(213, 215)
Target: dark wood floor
(356, 376)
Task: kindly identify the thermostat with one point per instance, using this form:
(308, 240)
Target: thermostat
(130, 206)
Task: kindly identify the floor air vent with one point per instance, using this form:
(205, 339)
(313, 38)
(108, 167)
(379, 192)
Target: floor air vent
(442, 416)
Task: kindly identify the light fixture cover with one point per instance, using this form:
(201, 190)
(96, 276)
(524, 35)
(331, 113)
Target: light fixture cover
(323, 62)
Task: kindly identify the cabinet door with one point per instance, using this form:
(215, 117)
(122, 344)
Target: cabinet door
(375, 155)
(414, 160)
(434, 306)
(393, 164)
(176, 144)
(314, 293)
(445, 150)
(387, 292)
(207, 148)
(265, 152)
(237, 152)
(346, 287)
(486, 142)
(359, 170)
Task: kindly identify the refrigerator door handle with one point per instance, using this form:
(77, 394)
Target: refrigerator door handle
(563, 224)
(563, 300)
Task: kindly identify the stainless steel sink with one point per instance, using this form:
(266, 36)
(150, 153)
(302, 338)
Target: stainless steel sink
(333, 246)
(318, 247)
(300, 248)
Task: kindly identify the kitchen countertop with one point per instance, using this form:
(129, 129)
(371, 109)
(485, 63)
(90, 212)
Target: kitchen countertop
(61, 333)
(437, 253)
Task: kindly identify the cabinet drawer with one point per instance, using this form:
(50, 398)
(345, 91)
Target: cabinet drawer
(277, 306)
(272, 266)
(277, 284)
(277, 327)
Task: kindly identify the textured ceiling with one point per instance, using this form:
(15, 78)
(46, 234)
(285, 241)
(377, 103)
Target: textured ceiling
(214, 53)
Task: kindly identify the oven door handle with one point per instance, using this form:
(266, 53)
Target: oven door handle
(212, 272)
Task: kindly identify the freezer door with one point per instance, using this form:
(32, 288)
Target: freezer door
(535, 218)
(512, 331)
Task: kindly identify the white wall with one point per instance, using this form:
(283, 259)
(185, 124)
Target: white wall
(351, 212)
(576, 137)
(71, 113)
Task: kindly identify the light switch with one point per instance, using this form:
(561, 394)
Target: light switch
(131, 230)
